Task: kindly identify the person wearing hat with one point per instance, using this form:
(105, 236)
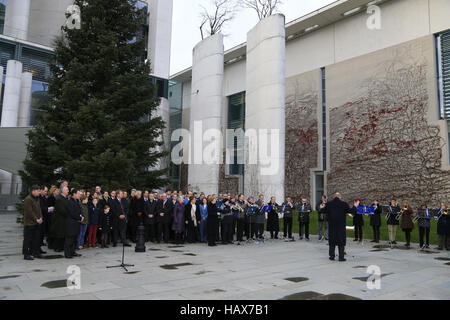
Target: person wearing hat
(358, 220)
(32, 220)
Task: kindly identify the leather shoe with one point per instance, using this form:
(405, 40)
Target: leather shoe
(332, 258)
(28, 258)
(68, 257)
(342, 260)
(76, 255)
(43, 252)
(127, 245)
(38, 256)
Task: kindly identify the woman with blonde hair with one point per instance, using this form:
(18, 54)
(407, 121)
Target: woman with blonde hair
(443, 228)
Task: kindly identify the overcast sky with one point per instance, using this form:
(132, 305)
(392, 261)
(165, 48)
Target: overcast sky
(186, 22)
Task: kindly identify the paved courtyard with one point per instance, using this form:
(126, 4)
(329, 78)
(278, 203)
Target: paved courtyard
(270, 271)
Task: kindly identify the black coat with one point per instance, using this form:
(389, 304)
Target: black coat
(273, 223)
(322, 214)
(166, 209)
(105, 222)
(137, 206)
(303, 217)
(58, 226)
(337, 221)
(150, 209)
(73, 219)
(119, 208)
(375, 219)
(187, 214)
(358, 219)
(213, 222)
(393, 214)
(443, 227)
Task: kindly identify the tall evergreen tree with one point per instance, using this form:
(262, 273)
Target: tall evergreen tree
(100, 124)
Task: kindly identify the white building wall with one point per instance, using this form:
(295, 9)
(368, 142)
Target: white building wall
(160, 35)
(17, 15)
(46, 19)
(265, 105)
(206, 112)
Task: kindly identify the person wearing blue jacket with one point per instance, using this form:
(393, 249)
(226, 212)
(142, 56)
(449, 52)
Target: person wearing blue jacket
(204, 220)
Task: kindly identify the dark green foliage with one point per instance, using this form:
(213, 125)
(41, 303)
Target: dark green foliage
(99, 125)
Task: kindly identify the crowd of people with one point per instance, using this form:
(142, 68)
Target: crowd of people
(70, 220)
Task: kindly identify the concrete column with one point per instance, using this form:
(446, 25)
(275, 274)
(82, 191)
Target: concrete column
(16, 18)
(11, 96)
(159, 37)
(206, 112)
(5, 182)
(16, 184)
(265, 106)
(25, 100)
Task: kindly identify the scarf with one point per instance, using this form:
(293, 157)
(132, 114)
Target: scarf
(193, 215)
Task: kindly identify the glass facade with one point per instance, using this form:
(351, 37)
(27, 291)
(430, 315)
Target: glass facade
(2, 15)
(176, 122)
(236, 120)
(39, 96)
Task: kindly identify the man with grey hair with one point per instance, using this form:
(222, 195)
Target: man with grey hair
(337, 215)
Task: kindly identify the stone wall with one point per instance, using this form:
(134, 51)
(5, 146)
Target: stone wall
(302, 133)
(386, 139)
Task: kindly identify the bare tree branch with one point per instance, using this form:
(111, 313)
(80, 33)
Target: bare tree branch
(263, 8)
(224, 12)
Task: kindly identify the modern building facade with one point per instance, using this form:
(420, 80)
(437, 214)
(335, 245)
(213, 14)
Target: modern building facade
(358, 90)
(28, 29)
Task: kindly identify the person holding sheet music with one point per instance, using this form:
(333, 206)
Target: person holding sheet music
(443, 228)
(212, 226)
(227, 223)
(241, 218)
(375, 221)
(392, 222)
(260, 218)
(323, 221)
(273, 225)
(251, 217)
(358, 220)
(407, 223)
(287, 210)
(424, 226)
(304, 210)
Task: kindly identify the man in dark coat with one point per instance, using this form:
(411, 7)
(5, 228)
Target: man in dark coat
(164, 211)
(119, 210)
(73, 220)
(32, 220)
(337, 215)
(150, 218)
(304, 210)
(58, 226)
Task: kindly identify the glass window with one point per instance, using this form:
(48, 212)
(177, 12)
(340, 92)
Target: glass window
(39, 96)
(236, 120)
(2, 15)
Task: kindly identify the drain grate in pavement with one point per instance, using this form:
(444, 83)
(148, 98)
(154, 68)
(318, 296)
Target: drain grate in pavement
(52, 257)
(161, 257)
(190, 254)
(131, 272)
(360, 267)
(336, 296)
(428, 252)
(297, 280)
(174, 247)
(442, 259)
(175, 266)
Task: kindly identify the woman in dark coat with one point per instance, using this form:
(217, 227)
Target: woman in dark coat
(273, 222)
(443, 228)
(193, 218)
(407, 223)
(358, 221)
(213, 221)
(375, 221)
(178, 225)
(137, 210)
(51, 202)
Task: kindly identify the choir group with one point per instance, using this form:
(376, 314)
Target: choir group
(70, 220)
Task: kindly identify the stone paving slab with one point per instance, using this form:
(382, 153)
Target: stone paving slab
(269, 271)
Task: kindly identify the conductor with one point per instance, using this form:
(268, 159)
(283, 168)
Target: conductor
(337, 214)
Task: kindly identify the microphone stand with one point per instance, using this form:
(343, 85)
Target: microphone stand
(122, 265)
